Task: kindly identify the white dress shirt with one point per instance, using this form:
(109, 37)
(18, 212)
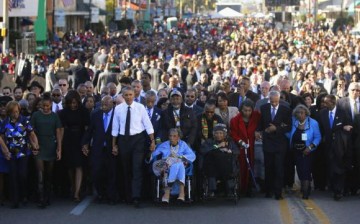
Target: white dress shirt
(56, 104)
(139, 119)
(276, 109)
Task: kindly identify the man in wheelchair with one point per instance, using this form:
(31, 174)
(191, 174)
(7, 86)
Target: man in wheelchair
(219, 161)
(175, 156)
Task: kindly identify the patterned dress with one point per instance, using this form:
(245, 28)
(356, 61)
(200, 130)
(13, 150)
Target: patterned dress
(16, 136)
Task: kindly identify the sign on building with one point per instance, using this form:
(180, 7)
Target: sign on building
(94, 15)
(60, 18)
(21, 8)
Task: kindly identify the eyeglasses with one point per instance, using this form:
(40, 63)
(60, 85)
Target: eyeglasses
(62, 84)
(6, 94)
(56, 95)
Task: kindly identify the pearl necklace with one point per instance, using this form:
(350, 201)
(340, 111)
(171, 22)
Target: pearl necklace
(301, 123)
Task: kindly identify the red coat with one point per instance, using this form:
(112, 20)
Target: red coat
(238, 131)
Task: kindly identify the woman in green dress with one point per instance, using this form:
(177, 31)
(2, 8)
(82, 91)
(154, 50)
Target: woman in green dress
(47, 127)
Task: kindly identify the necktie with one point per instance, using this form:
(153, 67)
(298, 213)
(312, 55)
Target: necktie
(240, 100)
(272, 113)
(127, 123)
(149, 112)
(106, 115)
(356, 109)
(57, 108)
(331, 119)
(136, 100)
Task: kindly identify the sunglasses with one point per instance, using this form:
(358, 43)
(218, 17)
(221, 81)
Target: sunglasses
(62, 84)
(188, 96)
(56, 95)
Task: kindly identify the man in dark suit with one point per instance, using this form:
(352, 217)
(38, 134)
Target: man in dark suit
(190, 98)
(178, 116)
(335, 128)
(102, 160)
(22, 71)
(275, 122)
(351, 106)
(243, 92)
(294, 100)
(79, 74)
(154, 113)
(136, 84)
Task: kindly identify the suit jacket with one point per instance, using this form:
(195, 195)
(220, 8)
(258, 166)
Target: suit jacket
(188, 124)
(156, 122)
(197, 109)
(142, 100)
(344, 105)
(336, 140)
(25, 73)
(276, 141)
(98, 134)
(264, 101)
(234, 98)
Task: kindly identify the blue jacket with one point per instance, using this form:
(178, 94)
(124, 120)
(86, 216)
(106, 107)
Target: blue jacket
(312, 131)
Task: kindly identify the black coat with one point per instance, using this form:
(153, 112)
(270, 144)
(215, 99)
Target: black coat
(234, 98)
(276, 141)
(188, 124)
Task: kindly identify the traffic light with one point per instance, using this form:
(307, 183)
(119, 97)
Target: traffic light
(4, 32)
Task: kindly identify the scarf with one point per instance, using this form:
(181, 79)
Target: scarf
(204, 126)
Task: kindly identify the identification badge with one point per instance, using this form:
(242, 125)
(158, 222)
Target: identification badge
(304, 137)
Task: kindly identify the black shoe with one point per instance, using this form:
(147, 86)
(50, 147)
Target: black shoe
(112, 202)
(278, 197)
(338, 197)
(15, 206)
(41, 204)
(268, 195)
(136, 203)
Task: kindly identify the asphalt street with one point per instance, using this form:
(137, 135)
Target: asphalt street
(321, 208)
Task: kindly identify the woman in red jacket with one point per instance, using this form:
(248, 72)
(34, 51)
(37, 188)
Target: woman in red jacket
(242, 127)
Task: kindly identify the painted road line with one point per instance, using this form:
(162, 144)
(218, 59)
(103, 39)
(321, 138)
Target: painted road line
(80, 208)
(285, 214)
(317, 211)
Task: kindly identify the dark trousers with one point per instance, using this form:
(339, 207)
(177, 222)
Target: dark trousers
(319, 168)
(289, 168)
(303, 165)
(104, 174)
(274, 171)
(18, 176)
(132, 152)
(337, 182)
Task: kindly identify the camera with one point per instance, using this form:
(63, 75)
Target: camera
(243, 144)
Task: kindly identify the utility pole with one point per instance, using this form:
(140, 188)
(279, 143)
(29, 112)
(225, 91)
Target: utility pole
(5, 45)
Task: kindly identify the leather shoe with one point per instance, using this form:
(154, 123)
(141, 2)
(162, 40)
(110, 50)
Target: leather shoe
(278, 197)
(268, 195)
(136, 203)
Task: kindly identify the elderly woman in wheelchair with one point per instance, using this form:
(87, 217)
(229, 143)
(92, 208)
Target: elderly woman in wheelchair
(175, 156)
(219, 161)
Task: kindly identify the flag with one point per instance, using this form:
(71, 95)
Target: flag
(67, 3)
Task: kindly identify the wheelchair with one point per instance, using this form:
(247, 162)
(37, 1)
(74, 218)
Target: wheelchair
(226, 174)
(161, 183)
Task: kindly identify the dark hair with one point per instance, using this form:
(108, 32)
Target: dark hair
(125, 80)
(161, 101)
(287, 96)
(86, 99)
(18, 87)
(147, 74)
(222, 95)
(319, 98)
(7, 87)
(70, 96)
(46, 97)
(247, 103)
(308, 95)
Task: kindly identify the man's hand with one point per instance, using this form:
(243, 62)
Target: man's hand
(258, 136)
(85, 150)
(306, 151)
(115, 150)
(347, 128)
(271, 128)
(58, 154)
(152, 146)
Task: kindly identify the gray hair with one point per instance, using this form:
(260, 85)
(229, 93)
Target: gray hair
(150, 93)
(274, 94)
(301, 107)
(175, 130)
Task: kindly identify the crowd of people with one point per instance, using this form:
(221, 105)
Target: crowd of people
(108, 104)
